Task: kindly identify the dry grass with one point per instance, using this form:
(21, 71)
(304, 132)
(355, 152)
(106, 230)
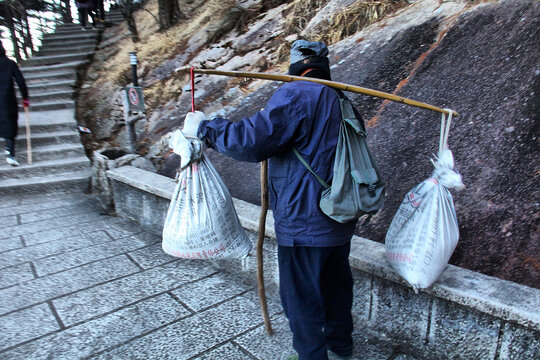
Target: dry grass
(350, 20)
(299, 13)
(355, 17)
(155, 47)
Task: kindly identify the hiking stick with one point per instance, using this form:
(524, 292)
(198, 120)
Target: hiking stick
(28, 140)
(260, 242)
(333, 84)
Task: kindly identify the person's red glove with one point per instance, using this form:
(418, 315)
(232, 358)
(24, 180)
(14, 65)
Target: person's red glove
(26, 103)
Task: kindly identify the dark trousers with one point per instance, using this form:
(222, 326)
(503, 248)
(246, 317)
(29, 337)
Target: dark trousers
(316, 289)
(83, 16)
(100, 9)
(10, 145)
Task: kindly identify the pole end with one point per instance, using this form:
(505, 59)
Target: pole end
(183, 69)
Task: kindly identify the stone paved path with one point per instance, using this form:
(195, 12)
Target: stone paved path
(75, 283)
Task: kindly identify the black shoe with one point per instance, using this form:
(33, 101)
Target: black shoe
(342, 353)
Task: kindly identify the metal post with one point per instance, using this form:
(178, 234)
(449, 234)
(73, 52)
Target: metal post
(133, 62)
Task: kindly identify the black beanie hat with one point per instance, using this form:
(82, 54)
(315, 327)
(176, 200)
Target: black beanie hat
(310, 55)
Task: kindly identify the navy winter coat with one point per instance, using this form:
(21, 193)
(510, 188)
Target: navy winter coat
(86, 4)
(302, 115)
(8, 101)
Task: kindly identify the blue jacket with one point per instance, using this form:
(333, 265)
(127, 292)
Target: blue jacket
(302, 115)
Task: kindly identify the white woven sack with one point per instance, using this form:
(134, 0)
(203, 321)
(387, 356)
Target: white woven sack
(201, 222)
(424, 231)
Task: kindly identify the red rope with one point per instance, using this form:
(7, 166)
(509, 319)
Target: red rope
(192, 90)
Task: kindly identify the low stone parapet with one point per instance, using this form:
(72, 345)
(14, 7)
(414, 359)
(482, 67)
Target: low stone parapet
(464, 315)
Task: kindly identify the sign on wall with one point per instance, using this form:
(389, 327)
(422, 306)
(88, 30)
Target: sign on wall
(135, 98)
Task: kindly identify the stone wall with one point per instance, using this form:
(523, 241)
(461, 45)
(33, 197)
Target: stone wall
(465, 315)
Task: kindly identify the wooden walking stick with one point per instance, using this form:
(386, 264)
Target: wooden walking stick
(28, 140)
(260, 243)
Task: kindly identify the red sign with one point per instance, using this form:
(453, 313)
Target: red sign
(133, 97)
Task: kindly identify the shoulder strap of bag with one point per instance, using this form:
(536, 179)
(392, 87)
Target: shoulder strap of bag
(319, 179)
(346, 115)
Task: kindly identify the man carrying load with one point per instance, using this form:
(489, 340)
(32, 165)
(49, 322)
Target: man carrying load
(316, 284)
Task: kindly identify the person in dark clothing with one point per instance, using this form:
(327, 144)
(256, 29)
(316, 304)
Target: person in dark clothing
(316, 285)
(9, 113)
(100, 10)
(86, 8)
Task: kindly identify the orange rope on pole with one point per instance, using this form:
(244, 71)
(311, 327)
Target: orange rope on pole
(333, 84)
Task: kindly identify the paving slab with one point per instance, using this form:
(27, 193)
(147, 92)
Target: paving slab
(105, 224)
(229, 351)
(70, 259)
(39, 226)
(210, 291)
(16, 274)
(106, 332)
(11, 244)
(53, 247)
(113, 295)
(151, 256)
(196, 334)
(8, 221)
(53, 286)
(262, 346)
(27, 324)
(61, 209)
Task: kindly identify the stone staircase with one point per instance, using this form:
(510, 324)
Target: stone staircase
(58, 157)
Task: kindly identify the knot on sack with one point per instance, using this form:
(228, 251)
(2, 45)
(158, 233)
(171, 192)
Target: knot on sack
(189, 149)
(444, 171)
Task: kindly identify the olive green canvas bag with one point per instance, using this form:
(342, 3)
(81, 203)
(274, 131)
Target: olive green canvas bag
(357, 188)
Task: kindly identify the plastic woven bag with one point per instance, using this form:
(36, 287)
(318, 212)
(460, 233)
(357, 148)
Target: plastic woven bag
(424, 231)
(201, 222)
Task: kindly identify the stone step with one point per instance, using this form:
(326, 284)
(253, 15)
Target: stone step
(50, 105)
(38, 98)
(68, 26)
(43, 69)
(50, 152)
(48, 51)
(77, 29)
(51, 138)
(50, 76)
(63, 44)
(79, 180)
(41, 128)
(38, 168)
(82, 35)
(51, 86)
(56, 59)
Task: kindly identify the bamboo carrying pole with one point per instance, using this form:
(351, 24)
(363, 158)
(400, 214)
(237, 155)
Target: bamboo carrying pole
(28, 140)
(333, 84)
(264, 164)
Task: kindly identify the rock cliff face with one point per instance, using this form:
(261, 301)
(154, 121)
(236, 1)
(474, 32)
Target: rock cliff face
(478, 58)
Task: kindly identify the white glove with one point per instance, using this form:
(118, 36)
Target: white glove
(191, 123)
(189, 150)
